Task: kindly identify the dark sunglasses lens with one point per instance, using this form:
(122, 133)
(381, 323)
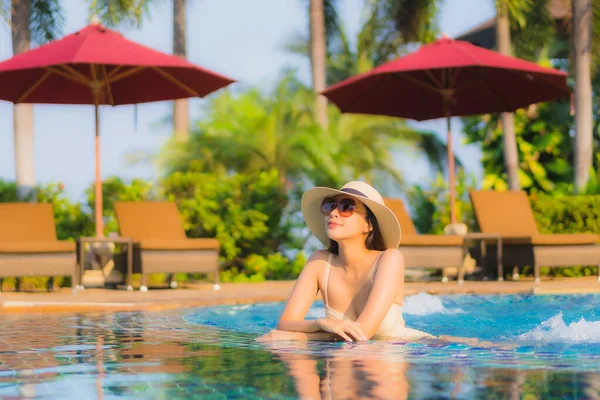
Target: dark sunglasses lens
(327, 205)
(347, 207)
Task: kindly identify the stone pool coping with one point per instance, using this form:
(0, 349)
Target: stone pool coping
(202, 294)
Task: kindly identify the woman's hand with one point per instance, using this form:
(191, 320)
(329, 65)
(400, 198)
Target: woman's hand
(347, 330)
(275, 335)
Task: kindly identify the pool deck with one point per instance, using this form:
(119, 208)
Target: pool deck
(202, 294)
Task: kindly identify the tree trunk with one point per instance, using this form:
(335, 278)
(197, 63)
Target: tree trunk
(582, 39)
(22, 113)
(181, 113)
(511, 156)
(318, 49)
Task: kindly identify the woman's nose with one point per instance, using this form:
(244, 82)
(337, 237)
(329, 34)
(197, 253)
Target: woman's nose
(335, 213)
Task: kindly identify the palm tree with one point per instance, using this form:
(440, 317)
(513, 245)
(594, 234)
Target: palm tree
(36, 21)
(318, 55)
(126, 12)
(367, 143)
(181, 109)
(256, 131)
(581, 57)
(505, 9)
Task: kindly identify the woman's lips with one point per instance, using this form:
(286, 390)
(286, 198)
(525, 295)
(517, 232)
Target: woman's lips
(332, 224)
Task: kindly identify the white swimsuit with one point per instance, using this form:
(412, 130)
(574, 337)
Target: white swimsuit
(392, 326)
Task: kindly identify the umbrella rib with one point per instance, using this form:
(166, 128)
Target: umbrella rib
(114, 71)
(495, 95)
(176, 81)
(418, 82)
(34, 86)
(64, 74)
(126, 74)
(75, 72)
(106, 82)
(433, 78)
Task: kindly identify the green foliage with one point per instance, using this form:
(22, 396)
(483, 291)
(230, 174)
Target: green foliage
(121, 12)
(258, 268)
(567, 214)
(115, 189)
(8, 192)
(533, 30)
(46, 20)
(387, 28)
(72, 220)
(431, 206)
(414, 21)
(246, 213)
(545, 148)
(256, 131)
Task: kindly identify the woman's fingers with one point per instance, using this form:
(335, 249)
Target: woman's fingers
(358, 334)
(343, 334)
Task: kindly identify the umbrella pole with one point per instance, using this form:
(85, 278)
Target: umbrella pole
(98, 188)
(451, 172)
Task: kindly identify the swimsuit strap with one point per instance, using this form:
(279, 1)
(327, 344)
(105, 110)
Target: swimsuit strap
(374, 268)
(327, 269)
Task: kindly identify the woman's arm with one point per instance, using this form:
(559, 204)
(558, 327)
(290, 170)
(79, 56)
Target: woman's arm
(387, 283)
(302, 296)
(276, 335)
(293, 326)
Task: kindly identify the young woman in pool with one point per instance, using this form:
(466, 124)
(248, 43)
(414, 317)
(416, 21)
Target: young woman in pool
(360, 275)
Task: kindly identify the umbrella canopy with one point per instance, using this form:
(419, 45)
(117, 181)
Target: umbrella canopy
(448, 78)
(98, 66)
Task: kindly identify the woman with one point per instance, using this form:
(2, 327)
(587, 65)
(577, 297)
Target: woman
(360, 275)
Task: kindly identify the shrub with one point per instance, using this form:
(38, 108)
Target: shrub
(568, 214)
(431, 207)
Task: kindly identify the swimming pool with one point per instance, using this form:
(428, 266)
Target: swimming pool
(548, 347)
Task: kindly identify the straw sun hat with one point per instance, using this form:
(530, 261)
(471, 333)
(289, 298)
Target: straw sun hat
(366, 194)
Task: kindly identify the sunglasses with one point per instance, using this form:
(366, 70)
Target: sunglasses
(346, 207)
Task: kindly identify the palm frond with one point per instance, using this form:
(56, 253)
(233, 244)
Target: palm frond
(46, 20)
(121, 12)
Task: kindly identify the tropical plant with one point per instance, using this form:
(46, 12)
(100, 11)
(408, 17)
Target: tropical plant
(256, 131)
(387, 29)
(32, 22)
(507, 10)
(545, 149)
(318, 51)
(430, 205)
(581, 57)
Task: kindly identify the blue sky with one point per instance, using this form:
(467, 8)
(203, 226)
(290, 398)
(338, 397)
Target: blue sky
(238, 38)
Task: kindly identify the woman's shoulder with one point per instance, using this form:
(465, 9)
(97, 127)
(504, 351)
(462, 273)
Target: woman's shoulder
(317, 261)
(392, 255)
(318, 256)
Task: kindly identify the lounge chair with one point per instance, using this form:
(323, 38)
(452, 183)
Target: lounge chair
(28, 243)
(427, 251)
(160, 243)
(510, 215)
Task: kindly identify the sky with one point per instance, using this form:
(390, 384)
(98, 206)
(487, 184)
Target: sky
(238, 38)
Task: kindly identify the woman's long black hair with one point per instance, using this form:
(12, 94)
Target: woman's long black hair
(374, 240)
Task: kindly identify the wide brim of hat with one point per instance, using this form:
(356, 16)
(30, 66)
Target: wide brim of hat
(311, 211)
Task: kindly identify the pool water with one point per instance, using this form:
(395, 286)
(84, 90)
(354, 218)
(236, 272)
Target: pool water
(543, 347)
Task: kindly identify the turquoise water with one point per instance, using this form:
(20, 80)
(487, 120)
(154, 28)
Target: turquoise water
(544, 347)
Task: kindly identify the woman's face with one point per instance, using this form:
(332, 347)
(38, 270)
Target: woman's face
(347, 219)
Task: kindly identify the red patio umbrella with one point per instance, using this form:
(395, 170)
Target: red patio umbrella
(101, 67)
(448, 78)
